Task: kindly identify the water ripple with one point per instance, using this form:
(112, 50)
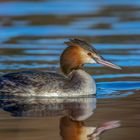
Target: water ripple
(117, 89)
(31, 8)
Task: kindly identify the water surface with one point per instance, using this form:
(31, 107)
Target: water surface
(32, 33)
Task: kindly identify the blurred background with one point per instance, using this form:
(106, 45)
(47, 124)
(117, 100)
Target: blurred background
(32, 33)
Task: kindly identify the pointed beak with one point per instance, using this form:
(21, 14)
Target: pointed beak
(107, 63)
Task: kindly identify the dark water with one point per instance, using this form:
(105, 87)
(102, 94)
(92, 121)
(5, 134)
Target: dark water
(32, 33)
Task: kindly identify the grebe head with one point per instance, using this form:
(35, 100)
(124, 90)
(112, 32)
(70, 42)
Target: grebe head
(79, 53)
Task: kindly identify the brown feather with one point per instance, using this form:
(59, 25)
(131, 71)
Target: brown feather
(71, 59)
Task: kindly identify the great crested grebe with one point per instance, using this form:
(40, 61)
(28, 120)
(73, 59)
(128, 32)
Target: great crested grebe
(74, 82)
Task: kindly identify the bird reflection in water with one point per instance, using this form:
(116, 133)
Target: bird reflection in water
(73, 112)
(77, 130)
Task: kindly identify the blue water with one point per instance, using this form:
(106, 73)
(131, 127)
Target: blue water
(32, 35)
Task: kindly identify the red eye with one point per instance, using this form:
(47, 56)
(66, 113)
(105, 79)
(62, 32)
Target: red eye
(89, 54)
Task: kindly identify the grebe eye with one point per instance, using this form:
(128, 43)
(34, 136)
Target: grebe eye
(89, 54)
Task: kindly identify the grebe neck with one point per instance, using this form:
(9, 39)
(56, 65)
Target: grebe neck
(80, 75)
(70, 60)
